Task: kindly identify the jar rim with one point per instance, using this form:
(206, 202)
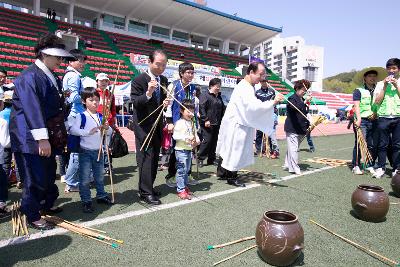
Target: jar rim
(280, 216)
(369, 187)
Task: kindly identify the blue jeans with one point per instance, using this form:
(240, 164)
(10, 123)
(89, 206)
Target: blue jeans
(71, 176)
(310, 142)
(369, 131)
(183, 163)
(3, 185)
(88, 161)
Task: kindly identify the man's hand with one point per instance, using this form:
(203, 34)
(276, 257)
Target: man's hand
(170, 128)
(357, 122)
(394, 82)
(166, 102)
(44, 148)
(151, 87)
(278, 98)
(207, 124)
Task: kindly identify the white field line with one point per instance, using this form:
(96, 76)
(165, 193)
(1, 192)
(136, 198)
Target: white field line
(151, 209)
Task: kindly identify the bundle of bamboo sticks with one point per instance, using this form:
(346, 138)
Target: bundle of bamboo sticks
(362, 147)
(320, 119)
(18, 220)
(88, 232)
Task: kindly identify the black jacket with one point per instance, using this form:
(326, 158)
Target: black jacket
(142, 107)
(211, 108)
(295, 122)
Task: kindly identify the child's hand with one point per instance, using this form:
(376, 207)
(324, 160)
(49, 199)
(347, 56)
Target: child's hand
(105, 126)
(94, 130)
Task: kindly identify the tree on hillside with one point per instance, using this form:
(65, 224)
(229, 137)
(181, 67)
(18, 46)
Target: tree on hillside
(337, 86)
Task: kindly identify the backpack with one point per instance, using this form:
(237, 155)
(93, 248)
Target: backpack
(74, 142)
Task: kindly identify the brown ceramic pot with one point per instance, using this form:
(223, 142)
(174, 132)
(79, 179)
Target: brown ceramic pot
(396, 184)
(370, 203)
(279, 238)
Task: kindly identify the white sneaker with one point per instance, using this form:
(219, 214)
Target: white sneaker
(394, 173)
(371, 170)
(379, 173)
(357, 171)
(62, 179)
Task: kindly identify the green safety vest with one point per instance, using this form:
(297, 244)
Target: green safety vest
(390, 105)
(367, 108)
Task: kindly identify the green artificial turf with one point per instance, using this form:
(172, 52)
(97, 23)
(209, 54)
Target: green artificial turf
(179, 236)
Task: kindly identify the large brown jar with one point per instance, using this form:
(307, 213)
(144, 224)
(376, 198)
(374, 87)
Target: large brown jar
(279, 238)
(396, 184)
(370, 203)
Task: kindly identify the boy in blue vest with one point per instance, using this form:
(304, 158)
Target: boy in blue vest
(90, 141)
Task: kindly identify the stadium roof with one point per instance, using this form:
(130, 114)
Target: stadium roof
(183, 15)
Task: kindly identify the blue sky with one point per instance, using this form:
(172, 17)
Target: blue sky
(354, 33)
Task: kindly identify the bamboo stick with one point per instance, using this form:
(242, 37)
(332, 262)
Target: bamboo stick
(235, 255)
(107, 109)
(60, 222)
(13, 219)
(78, 225)
(154, 111)
(301, 113)
(364, 249)
(147, 140)
(231, 242)
(169, 94)
(111, 174)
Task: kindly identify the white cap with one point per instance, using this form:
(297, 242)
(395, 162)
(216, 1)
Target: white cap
(7, 96)
(102, 76)
(57, 52)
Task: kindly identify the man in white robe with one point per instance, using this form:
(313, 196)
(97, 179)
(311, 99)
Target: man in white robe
(244, 114)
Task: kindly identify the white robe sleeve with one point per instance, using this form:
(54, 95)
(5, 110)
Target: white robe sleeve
(254, 113)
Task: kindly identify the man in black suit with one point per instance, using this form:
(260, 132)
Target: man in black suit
(146, 96)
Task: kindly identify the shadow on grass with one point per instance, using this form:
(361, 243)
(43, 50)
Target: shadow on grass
(120, 174)
(72, 211)
(354, 215)
(260, 178)
(298, 262)
(33, 250)
(392, 194)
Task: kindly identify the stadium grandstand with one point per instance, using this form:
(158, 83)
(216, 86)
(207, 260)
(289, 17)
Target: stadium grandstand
(118, 31)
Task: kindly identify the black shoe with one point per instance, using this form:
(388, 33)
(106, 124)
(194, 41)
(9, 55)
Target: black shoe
(150, 199)
(201, 164)
(157, 193)
(52, 211)
(236, 182)
(105, 200)
(4, 213)
(42, 226)
(87, 207)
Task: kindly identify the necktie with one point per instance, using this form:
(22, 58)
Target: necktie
(157, 91)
